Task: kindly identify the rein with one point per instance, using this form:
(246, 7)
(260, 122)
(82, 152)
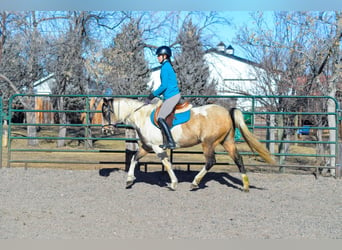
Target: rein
(111, 110)
(144, 104)
(140, 107)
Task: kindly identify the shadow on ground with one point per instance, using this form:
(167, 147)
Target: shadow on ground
(161, 178)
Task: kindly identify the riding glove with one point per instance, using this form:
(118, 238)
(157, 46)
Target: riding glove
(149, 99)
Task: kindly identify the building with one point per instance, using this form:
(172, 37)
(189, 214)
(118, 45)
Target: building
(43, 87)
(235, 75)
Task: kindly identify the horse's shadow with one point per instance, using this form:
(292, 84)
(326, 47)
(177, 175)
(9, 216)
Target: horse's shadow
(161, 178)
(105, 172)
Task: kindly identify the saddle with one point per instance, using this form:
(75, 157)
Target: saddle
(180, 108)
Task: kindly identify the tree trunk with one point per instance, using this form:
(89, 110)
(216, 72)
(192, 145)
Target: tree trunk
(62, 120)
(332, 133)
(335, 78)
(320, 148)
(31, 119)
(271, 133)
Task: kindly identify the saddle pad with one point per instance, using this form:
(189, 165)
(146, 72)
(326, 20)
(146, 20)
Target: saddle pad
(179, 118)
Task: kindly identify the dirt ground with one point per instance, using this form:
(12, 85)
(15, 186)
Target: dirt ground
(47, 203)
(90, 201)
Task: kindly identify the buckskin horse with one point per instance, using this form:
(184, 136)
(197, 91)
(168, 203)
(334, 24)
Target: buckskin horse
(209, 125)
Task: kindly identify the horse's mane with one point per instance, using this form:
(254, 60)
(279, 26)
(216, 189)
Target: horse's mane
(134, 103)
(137, 105)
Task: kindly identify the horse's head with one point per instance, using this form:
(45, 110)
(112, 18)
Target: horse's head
(109, 119)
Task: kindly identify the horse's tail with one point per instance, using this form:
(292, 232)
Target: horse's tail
(250, 138)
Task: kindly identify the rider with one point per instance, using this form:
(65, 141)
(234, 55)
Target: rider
(169, 90)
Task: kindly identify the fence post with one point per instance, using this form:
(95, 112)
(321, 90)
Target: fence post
(131, 146)
(338, 170)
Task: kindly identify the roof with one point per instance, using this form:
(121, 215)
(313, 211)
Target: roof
(221, 53)
(44, 79)
(43, 85)
(232, 56)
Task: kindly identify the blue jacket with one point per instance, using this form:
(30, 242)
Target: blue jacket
(169, 83)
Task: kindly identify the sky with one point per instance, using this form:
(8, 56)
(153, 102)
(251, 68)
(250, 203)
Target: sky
(218, 5)
(225, 33)
(238, 10)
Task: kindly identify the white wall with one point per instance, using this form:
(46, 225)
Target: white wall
(230, 74)
(154, 80)
(44, 85)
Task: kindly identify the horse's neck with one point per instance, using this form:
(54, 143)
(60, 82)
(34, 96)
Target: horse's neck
(139, 113)
(127, 109)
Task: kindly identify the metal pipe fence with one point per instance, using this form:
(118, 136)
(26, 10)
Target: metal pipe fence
(29, 140)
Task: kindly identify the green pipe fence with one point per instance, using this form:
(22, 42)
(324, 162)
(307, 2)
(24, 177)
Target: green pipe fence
(90, 142)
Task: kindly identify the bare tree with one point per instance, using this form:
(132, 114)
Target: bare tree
(68, 67)
(335, 57)
(292, 50)
(124, 66)
(21, 58)
(192, 70)
(298, 54)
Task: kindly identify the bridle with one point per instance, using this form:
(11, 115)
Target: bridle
(108, 127)
(110, 111)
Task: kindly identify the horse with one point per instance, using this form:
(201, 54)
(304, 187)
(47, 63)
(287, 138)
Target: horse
(209, 125)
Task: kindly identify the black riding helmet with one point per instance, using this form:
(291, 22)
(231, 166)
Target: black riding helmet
(164, 50)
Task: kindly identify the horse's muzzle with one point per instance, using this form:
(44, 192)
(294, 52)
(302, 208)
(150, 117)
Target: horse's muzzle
(108, 129)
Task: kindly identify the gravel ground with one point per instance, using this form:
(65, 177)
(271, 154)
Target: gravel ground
(66, 204)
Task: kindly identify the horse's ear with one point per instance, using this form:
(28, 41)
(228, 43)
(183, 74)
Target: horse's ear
(106, 101)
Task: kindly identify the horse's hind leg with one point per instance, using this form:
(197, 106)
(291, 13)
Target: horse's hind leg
(209, 154)
(234, 154)
(130, 177)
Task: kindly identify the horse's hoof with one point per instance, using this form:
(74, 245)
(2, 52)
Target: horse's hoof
(129, 184)
(172, 186)
(245, 190)
(194, 186)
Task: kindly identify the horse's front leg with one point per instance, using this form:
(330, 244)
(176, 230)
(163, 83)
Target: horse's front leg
(130, 177)
(168, 166)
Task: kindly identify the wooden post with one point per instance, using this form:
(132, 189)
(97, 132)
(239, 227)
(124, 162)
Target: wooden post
(131, 146)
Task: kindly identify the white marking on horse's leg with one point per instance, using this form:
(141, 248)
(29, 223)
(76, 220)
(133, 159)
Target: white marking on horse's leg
(138, 155)
(245, 182)
(130, 176)
(198, 178)
(168, 166)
